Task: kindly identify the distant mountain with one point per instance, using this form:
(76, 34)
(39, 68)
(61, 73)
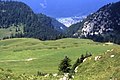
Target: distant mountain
(18, 20)
(103, 25)
(73, 29)
(58, 25)
(68, 21)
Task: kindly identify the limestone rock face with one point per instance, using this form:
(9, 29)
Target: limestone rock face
(103, 25)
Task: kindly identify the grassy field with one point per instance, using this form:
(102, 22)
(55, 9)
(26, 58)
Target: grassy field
(25, 55)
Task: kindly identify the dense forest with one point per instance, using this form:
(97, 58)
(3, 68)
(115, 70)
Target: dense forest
(34, 25)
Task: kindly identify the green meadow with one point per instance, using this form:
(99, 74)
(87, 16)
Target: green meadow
(27, 55)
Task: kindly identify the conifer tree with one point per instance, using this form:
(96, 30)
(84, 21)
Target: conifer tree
(65, 65)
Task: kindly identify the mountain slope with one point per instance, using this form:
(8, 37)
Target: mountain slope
(58, 26)
(107, 67)
(15, 14)
(73, 29)
(103, 25)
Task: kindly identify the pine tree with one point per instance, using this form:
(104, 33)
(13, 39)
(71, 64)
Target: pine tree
(65, 65)
(75, 65)
(82, 58)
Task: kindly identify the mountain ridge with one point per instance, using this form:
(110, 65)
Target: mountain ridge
(14, 13)
(103, 25)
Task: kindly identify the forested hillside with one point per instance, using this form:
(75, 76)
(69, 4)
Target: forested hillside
(16, 14)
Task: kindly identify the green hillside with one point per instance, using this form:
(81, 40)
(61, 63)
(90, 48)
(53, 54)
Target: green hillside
(25, 55)
(18, 20)
(106, 68)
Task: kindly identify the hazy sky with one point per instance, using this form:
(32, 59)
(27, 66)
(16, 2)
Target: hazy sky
(64, 8)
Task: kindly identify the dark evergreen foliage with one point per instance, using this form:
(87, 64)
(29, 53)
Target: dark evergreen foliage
(75, 65)
(79, 61)
(73, 29)
(35, 25)
(12, 12)
(41, 73)
(65, 65)
(82, 58)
